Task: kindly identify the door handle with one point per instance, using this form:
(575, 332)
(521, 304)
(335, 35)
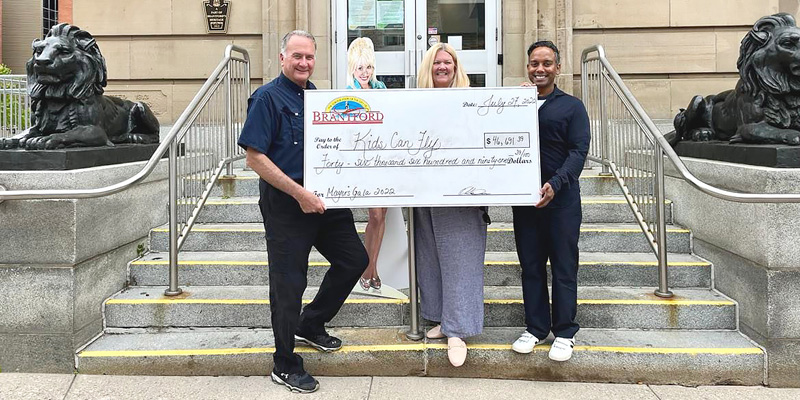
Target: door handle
(411, 74)
(408, 66)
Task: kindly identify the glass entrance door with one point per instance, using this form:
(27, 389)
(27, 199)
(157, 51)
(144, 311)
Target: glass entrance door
(402, 30)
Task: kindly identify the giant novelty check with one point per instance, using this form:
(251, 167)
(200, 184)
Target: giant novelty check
(422, 147)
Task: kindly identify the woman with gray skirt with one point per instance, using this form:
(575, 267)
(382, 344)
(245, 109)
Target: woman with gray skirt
(450, 242)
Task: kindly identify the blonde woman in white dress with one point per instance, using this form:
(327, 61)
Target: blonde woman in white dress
(361, 75)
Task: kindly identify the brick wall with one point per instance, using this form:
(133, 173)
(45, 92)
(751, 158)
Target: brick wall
(65, 11)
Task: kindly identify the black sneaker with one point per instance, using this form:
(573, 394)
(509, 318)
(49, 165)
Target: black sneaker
(321, 341)
(300, 383)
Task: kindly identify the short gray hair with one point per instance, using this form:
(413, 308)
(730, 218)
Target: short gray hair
(298, 32)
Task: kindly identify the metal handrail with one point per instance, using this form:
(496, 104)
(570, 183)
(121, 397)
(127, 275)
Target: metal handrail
(197, 163)
(614, 160)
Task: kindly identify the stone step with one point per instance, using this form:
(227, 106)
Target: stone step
(248, 306)
(626, 238)
(688, 358)
(502, 268)
(245, 183)
(595, 209)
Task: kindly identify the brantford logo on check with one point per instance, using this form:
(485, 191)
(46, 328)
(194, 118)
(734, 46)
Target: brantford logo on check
(347, 110)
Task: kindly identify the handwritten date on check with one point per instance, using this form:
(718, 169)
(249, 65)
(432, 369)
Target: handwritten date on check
(422, 147)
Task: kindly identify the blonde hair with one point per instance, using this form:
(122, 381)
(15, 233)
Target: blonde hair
(425, 75)
(360, 52)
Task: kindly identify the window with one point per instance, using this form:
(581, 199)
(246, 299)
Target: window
(49, 15)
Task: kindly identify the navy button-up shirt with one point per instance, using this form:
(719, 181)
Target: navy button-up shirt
(563, 143)
(274, 124)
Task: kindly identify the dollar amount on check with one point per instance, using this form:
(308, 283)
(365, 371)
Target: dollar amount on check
(422, 147)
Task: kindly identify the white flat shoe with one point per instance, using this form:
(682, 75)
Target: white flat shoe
(435, 333)
(456, 351)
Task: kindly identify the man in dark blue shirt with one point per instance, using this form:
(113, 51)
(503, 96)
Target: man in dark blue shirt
(550, 229)
(296, 219)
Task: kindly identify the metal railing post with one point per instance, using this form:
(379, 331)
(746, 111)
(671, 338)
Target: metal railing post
(247, 91)
(660, 198)
(585, 94)
(229, 142)
(414, 333)
(173, 289)
(604, 142)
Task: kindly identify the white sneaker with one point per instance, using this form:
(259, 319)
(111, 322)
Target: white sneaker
(525, 343)
(561, 350)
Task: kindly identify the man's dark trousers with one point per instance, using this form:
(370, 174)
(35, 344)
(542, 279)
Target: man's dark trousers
(290, 235)
(543, 233)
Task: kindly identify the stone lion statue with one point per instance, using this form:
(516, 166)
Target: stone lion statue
(764, 108)
(66, 77)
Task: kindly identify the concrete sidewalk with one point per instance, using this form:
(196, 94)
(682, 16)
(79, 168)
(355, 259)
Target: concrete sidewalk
(46, 386)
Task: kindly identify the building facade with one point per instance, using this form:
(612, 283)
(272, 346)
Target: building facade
(1, 31)
(160, 51)
(25, 20)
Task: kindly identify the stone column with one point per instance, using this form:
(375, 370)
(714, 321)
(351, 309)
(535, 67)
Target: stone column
(319, 23)
(519, 30)
(282, 16)
(525, 22)
(555, 24)
(278, 19)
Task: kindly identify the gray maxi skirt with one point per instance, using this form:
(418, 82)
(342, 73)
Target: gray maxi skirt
(450, 246)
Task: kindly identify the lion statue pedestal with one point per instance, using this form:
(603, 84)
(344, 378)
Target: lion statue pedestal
(763, 155)
(66, 77)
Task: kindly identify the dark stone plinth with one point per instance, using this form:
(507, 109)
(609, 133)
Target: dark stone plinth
(764, 155)
(74, 158)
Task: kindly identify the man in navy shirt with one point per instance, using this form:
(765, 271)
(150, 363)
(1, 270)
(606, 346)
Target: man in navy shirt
(550, 229)
(296, 219)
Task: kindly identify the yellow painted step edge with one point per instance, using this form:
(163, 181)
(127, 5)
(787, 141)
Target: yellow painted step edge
(659, 302)
(242, 301)
(616, 349)
(153, 263)
(228, 202)
(261, 229)
(251, 177)
(413, 347)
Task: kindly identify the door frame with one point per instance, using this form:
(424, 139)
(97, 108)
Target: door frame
(338, 60)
